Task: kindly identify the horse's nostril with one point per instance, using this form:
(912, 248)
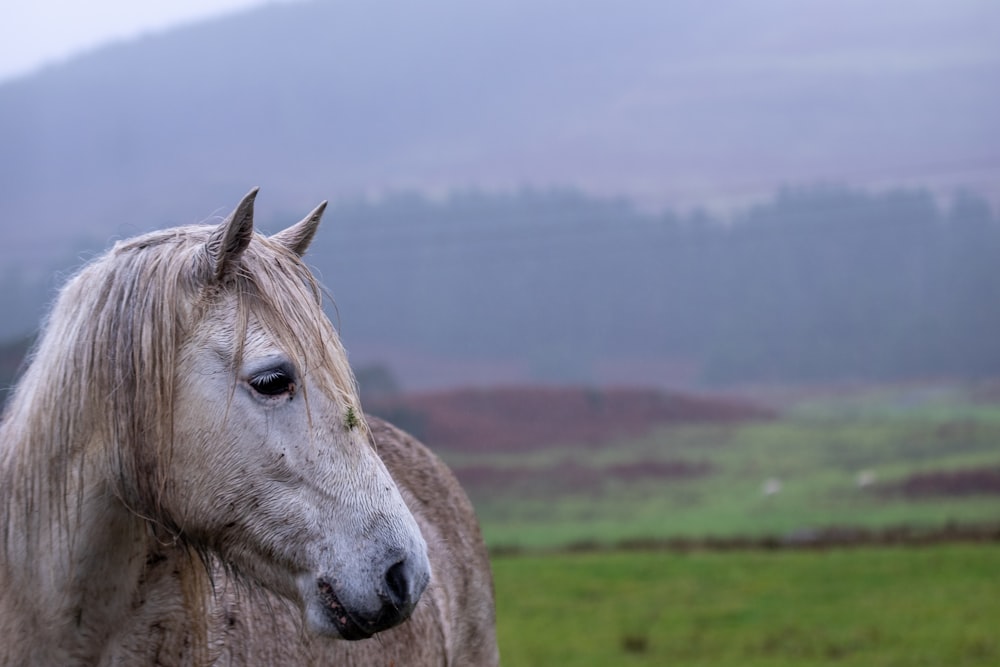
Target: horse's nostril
(397, 585)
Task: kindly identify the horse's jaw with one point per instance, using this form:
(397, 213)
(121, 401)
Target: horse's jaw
(357, 607)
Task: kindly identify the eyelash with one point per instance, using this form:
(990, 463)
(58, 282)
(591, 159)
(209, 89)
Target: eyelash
(273, 382)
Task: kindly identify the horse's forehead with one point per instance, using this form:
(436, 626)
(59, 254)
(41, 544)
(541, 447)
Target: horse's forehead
(257, 342)
(221, 330)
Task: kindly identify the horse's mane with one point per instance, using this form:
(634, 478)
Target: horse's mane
(101, 376)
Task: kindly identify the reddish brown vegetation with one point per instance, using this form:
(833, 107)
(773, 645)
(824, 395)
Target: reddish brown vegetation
(519, 419)
(965, 482)
(834, 537)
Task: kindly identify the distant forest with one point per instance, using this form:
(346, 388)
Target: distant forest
(817, 285)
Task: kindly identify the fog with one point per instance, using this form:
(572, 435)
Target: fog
(673, 194)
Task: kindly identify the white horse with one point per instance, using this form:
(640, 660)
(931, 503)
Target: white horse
(186, 477)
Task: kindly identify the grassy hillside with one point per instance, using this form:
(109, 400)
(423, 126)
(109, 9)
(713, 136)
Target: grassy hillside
(917, 456)
(871, 607)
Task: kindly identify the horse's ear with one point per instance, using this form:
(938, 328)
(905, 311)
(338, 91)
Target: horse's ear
(298, 237)
(231, 238)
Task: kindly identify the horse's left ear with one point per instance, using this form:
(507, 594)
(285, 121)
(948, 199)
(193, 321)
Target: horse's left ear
(298, 237)
(228, 241)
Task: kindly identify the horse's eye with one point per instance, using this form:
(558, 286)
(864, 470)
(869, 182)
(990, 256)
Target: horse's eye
(272, 382)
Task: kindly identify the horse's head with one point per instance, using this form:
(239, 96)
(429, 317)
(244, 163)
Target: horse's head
(270, 465)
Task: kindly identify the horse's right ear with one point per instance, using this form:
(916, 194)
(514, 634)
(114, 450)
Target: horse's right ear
(298, 237)
(228, 241)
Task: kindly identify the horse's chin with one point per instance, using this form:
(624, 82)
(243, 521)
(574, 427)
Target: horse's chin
(327, 613)
(333, 624)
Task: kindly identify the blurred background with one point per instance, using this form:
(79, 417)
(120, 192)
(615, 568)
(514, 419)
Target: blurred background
(664, 273)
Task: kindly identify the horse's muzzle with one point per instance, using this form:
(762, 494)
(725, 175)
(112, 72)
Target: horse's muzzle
(402, 585)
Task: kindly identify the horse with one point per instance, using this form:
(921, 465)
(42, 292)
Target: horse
(187, 477)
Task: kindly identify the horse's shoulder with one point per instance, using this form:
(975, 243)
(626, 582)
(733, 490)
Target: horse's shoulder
(460, 598)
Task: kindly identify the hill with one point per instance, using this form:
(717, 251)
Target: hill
(679, 103)
(904, 463)
(423, 124)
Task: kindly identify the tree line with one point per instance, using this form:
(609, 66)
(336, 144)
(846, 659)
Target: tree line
(817, 284)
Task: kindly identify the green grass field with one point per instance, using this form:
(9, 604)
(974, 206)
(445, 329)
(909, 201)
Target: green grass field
(873, 607)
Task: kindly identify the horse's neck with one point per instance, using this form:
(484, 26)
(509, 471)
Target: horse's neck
(71, 565)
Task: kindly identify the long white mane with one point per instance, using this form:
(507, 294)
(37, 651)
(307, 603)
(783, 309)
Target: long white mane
(102, 372)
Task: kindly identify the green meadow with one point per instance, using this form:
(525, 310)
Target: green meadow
(840, 461)
(872, 607)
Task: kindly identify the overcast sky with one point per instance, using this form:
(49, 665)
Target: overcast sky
(34, 33)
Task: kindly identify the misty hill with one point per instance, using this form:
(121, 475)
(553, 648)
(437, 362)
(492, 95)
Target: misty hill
(676, 104)
(672, 105)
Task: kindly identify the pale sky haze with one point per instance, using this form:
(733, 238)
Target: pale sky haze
(36, 33)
